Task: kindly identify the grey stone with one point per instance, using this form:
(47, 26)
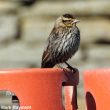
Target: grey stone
(99, 52)
(36, 30)
(56, 8)
(8, 6)
(8, 27)
(20, 55)
(94, 30)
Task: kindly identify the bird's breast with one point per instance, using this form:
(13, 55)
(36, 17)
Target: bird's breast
(70, 45)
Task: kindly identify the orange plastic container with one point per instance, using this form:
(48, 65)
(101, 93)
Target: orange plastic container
(97, 89)
(40, 88)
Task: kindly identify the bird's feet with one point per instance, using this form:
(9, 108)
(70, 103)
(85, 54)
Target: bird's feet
(74, 70)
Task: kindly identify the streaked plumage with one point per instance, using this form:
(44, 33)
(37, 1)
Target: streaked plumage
(62, 43)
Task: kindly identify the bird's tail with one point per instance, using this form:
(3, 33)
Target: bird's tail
(48, 64)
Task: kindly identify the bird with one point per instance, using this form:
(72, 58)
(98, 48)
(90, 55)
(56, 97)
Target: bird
(62, 43)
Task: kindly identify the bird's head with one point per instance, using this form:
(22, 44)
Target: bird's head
(66, 20)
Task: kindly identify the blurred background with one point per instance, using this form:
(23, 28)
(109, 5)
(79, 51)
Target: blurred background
(26, 24)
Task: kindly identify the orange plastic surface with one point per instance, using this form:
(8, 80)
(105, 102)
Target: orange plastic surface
(39, 88)
(97, 89)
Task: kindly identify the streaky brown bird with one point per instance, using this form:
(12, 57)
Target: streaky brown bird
(63, 42)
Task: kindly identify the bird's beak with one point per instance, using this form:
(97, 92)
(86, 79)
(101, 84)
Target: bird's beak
(76, 21)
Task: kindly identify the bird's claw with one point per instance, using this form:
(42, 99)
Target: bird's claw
(74, 70)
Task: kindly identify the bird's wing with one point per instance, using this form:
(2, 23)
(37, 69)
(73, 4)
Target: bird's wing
(46, 56)
(49, 47)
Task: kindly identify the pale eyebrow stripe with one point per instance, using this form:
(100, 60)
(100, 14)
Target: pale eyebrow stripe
(67, 18)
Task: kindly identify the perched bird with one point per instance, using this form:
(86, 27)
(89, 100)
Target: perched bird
(63, 42)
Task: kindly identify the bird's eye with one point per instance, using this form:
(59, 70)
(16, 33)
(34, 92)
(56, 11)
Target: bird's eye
(64, 20)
